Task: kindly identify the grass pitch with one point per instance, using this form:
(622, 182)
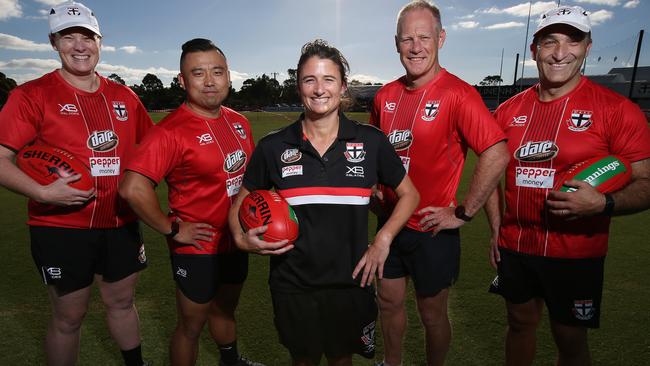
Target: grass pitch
(478, 317)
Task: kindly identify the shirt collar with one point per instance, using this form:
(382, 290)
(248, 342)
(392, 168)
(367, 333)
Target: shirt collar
(347, 130)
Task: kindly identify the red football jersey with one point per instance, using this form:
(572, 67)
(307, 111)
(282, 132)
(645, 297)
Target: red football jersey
(203, 162)
(546, 138)
(431, 128)
(98, 128)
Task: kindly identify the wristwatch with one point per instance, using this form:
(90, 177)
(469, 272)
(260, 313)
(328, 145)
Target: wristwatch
(174, 231)
(460, 213)
(609, 205)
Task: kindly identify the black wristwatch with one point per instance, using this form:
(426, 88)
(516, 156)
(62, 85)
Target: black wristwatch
(174, 231)
(609, 205)
(460, 213)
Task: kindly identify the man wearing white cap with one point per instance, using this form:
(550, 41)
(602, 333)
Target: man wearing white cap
(79, 237)
(552, 245)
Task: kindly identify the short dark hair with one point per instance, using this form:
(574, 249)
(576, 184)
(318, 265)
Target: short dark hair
(198, 45)
(323, 50)
(584, 35)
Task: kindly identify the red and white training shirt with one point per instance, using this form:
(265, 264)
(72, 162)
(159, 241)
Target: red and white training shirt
(99, 129)
(203, 162)
(547, 138)
(431, 128)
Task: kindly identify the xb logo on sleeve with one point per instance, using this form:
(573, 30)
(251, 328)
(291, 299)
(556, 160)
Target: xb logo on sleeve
(205, 139)
(68, 109)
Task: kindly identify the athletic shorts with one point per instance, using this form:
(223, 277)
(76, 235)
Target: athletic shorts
(198, 276)
(571, 288)
(336, 322)
(68, 259)
(433, 262)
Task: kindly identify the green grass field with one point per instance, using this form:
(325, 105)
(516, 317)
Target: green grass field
(478, 317)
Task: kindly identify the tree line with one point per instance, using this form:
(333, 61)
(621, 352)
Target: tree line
(255, 93)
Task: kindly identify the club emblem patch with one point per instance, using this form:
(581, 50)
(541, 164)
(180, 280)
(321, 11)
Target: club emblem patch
(430, 110)
(583, 309)
(119, 108)
(354, 152)
(579, 121)
(240, 130)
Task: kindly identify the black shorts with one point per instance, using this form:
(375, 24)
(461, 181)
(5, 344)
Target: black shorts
(336, 322)
(571, 288)
(69, 258)
(433, 262)
(198, 276)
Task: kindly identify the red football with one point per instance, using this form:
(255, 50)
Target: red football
(45, 164)
(268, 208)
(605, 173)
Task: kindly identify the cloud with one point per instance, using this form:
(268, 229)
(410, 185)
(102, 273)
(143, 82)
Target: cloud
(600, 2)
(18, 44)
(632, 4)
(366, 78)
(600, 16)
(465, 25)
(468, 16)
(106, 48)
(130, 49)
(26, 69)
(238, 76)
(50, 2)
(38, 64)
(521, 10)
(505, 25)
(10, 9)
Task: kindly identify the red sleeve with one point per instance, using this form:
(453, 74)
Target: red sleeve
(157, 155)
(629, 132)
(375, 112)
(20, 120)
(144, 122)
(475, 124)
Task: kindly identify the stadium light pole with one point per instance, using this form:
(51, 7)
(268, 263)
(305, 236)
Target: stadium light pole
(514, 81)
(636, 62)
(500, 79)
(523, 59)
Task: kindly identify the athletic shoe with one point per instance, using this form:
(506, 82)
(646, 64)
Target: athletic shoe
(242, 362)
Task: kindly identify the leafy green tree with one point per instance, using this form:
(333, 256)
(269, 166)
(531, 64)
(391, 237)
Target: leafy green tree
(150, 82)
(289, 93)
(491, 80)
(116, 78)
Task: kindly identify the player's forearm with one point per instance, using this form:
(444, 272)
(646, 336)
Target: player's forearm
(141, 196)
(494, 209)
(12, 178)
(489, 168)
(635, 196)
(407, 202)
(233, 218)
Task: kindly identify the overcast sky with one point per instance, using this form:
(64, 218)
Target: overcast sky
(265, 36)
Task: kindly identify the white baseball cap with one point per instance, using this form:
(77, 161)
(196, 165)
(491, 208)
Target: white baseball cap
(574, 16)
(72, 14)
